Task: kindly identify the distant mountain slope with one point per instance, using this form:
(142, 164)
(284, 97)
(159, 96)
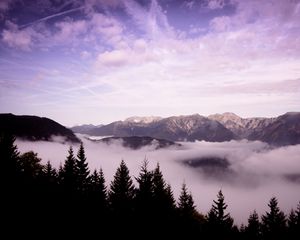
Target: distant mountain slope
(84, 129)
(34, 128)
(190, 128)
(242, 127)
(139, 142)
(284, 130)
(280, 131)
(181, 128)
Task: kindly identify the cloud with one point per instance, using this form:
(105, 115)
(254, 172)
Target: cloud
(69, 30)
(153, 22)
(52, 16)
(85, 54)
(251, 179)
(189, 4)
(138, 53)
(279, 87)
(107, 27)
(114, 58)
(97, 29)
(216, 4)
(4, 5)
(21, 39)
(220, 23)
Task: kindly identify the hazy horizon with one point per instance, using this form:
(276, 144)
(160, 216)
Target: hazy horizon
(114, 120)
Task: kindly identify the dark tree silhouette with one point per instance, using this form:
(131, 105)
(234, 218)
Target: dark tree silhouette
(163, 196)
(9, 156)
(49, 181)
(121, 192)
(50, 173)
(163, 203)
(68, 173)
(189, 218)
(273, 222)
(30, 165)
(82, 170)
(293, 223)
(144, 192)
(186, 205)
(219, 223)
(253, 229)
(97, 190)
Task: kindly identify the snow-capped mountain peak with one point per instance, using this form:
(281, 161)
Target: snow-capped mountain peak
(145, 120)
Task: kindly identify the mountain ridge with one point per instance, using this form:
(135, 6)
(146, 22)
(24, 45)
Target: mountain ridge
(34, 128)
(280, 131)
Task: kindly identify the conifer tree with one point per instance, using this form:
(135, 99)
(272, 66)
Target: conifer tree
(163, 197)
(253, 230)
(98, 189)
(293, 223)
(49, 178)
(220, 206)
(9, 156)
(144, 192)
(189, 218)
(171, 202)
(121, 192)
(186, 205)
(273, 222)
(297, 212)
(82, 169)
(69, 173)
(163, 202)
(30, 165)
(219, 223)
(50, 172)
(60, 173)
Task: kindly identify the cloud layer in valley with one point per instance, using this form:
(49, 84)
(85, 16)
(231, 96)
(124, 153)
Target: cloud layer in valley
(255, 172)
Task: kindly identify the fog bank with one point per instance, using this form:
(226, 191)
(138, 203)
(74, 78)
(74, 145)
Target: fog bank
(254, 174)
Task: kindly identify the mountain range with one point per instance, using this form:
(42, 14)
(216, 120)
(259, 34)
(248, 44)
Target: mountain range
(278, 131)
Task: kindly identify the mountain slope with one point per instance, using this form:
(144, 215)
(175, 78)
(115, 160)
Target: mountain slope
(190, 128)
(284, 130)
(34, 128)
(181, 128)
(242, 127)
(85, 128)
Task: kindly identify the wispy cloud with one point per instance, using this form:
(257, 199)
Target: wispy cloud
(51, 16)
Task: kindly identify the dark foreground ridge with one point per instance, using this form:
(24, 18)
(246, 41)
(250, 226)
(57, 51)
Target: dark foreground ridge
(41, 201)
(34, 128)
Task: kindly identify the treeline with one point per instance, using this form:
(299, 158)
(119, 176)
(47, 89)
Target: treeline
(39, 199)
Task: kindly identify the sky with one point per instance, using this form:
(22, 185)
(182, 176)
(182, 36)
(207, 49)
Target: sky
(97, 61)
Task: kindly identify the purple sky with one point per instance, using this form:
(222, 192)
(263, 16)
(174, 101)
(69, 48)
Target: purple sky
(96, 61)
